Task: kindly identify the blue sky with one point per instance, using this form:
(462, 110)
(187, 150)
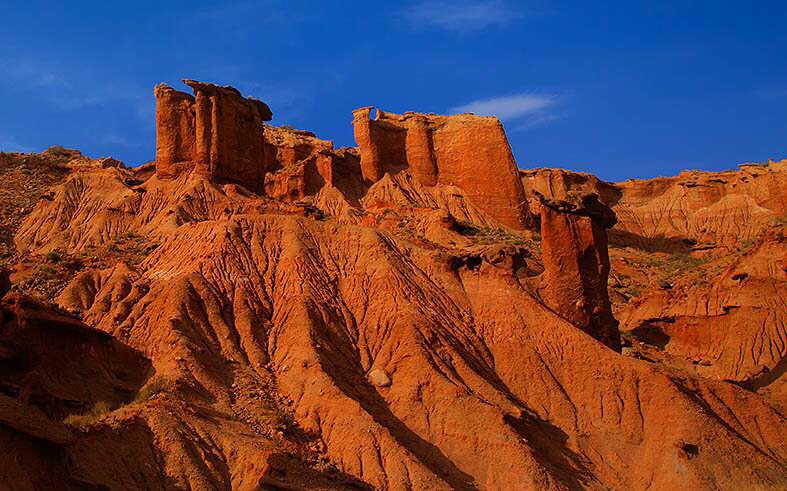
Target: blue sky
(618, 88)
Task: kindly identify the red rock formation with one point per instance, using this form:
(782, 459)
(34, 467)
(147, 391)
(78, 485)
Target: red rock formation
(704, 208)
(574, 245)
(426, 348)
(175, 130)
(229, 135)
(467, 151)
(305, 178)
(300, 165)
(286, 146)
(217, 129)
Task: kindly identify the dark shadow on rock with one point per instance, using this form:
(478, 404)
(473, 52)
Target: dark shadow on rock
(549, 448)
(669, 245)
(650, 334)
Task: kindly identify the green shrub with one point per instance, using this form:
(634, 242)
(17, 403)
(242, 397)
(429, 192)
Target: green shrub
(492, 235)
(633, 291)
(98, 410)
(155, 385)
(747, 244)
(680, 262)
(54, 256)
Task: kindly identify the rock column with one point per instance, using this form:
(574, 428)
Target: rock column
(371, 167)
(420, 152)
(175, 121)
(576, 262)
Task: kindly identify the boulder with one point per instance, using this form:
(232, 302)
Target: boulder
(379, 378)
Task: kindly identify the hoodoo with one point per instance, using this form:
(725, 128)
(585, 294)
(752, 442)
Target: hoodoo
(576, 262)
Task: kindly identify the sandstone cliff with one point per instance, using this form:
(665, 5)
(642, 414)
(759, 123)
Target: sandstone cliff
(467, 151)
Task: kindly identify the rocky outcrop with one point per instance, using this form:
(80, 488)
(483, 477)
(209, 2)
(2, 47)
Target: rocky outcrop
(316, 311)
(285, 146)
(401, 338)
(305, 178)
(229, 135)
(217, 129)
(672, 214)
(300, 163)
(725, 317)
(467, 151)
(576, 262)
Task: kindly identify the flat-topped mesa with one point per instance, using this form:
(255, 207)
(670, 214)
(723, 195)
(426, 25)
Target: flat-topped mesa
(467, 151)
(217, 129)
(576, 262)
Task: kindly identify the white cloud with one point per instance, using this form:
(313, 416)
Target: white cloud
(34, 75)
(464, 15)
(509, 107)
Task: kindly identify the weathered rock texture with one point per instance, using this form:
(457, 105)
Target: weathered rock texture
(574, 245)
(467, 151)
(217, 129)
(175, 130)
(301, 164)
(696, 263)
(695, 208)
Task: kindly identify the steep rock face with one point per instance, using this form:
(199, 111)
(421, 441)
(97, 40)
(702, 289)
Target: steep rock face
(697, 265)
(722, 209)
(400, 338)
(229, 142)
(296, 181)
(729, 321)
(52, 366)
(467, 151)
(285, 147)
(300, 163)
(574, 245)
(217, 129)
(175, 130)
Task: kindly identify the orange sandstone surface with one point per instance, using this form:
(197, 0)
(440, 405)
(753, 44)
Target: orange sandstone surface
(260, 310)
